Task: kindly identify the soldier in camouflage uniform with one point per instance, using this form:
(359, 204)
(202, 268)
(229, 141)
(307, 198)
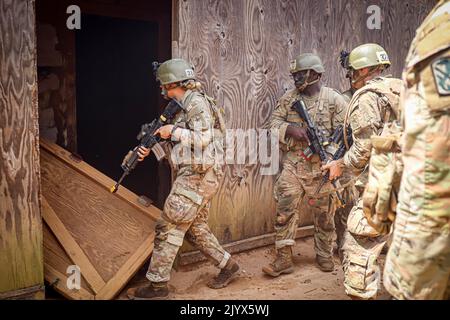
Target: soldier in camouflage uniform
(374, 104)
(418, 262)
(301, 176)
(349, 194)
(186, 209)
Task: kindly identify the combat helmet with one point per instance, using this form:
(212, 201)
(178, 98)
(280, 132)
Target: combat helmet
(306, 61)
(174, 70)
(368, 55)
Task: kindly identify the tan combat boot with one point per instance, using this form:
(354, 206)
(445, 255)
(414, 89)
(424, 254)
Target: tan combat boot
(325, 264)
(282, 264)
(153, 291)
(225, 276)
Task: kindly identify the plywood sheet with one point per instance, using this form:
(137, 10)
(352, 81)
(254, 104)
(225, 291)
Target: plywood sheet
(110, 235)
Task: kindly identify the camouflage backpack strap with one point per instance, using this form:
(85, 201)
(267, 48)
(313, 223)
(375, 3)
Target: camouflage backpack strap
(388, 91)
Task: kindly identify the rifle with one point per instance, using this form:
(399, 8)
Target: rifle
(338, 139)
(148, 140)
(317, 142)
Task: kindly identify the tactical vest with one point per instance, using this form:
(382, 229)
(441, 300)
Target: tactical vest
(321, 112)
(216, 154)
(388, 91)
(380, 194)
(432, 39)
(217, 112)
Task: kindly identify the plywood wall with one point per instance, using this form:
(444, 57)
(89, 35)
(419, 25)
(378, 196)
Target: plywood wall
(241, 50)
(21, 265)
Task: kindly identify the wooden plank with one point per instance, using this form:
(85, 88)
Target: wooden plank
(59, 280)
(57, 258)
(243, 245)
(71, 247)
(99, 178)
(107, 228)
(21, 263)
(126, 272)
(31, 293)
(106, 236)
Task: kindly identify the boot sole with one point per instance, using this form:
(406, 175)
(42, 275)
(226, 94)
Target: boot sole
(326, 270)
(276, 274)
(226, 283)
(131, 296)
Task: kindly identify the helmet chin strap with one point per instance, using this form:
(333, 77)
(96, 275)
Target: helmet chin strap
(307, 83)
(367, 75)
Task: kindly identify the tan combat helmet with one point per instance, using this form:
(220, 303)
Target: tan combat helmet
(174, 70)
(368, 55)
(306, 61)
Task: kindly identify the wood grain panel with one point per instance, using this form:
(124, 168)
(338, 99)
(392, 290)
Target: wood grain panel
(241, 50)
(56, 263)
(21, 258)
(105, 227)
(72, 248)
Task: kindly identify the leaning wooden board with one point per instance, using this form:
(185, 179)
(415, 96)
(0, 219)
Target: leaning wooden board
(108, 236)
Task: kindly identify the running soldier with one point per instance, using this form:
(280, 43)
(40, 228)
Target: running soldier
(186, 209)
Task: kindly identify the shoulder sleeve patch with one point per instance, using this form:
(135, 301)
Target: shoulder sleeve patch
(441, 74)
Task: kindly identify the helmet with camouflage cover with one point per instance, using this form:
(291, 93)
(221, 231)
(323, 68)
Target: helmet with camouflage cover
(306, 61)
(174, 70)
(368, 55)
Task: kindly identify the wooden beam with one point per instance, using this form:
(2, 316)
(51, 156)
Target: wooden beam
(99, 178)
(126, 272)
(59, 281)
(21, 258)
(71, 247)
(243, 245)
(31, 293)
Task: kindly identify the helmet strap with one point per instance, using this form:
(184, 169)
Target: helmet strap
(307, 83)
(369, 74)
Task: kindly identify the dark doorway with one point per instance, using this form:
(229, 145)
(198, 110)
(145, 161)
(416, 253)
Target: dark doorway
(115, 94)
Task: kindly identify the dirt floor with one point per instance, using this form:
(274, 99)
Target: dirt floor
(307, 282)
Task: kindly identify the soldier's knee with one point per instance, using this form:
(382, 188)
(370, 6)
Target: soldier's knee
(284, 219)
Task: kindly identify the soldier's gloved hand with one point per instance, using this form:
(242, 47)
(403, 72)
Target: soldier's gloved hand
(142, 153)
(336, 168)
(299, 134)
(165, 131)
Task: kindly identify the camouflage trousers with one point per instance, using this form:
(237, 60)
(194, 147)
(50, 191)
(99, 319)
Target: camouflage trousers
(361, 249)
(185, 215)
(349, 195)
(296, 182)
(418, 261)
